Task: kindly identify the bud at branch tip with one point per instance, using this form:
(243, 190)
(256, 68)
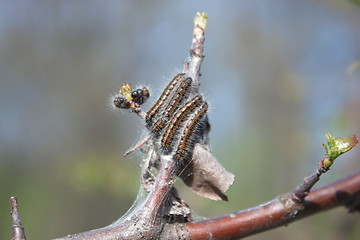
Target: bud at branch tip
(337, 147)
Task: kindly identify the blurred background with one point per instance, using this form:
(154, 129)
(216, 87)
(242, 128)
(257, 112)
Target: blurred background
(277, 75)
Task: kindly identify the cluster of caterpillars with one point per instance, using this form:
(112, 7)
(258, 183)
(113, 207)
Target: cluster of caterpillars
(177, 119)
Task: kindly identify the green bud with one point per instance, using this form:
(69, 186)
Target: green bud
(125, 89)
(338, 146)
(201, 20)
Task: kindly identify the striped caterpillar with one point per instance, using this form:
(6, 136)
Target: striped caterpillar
(175, 102)
(190, 135)
(162, 99)
(169, 137)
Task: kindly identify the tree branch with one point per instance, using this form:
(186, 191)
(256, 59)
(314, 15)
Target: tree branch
(337, 147)
(279, 212)
(17, 228)
(197, 49)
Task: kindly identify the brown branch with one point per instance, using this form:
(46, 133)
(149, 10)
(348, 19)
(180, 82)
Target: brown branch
(337, 147)
(140, 144)
(279, 212)
(301, 191)
(196, 52)
(17, 228)
(144, 224)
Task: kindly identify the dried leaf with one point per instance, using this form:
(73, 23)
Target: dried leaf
(207, 178)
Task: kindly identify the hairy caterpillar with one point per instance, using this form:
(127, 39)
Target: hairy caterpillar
(175, 102)
(140, 95)
(190, 135)
(169, 137)
(162, 99)
(121, 102)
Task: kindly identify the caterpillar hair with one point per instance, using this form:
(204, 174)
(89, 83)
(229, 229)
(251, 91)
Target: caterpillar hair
(190, 135)
(175, 102)
(162, 99)
(121, 102)
(171, 132)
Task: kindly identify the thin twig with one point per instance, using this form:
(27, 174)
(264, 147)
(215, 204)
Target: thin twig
(301, 191)
(197, 49)
(137, 146)
(17, 228)
(335, 148)
(140, 113)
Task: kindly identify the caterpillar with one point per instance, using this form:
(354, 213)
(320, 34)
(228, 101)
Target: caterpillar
(175, 102)
(169, 137)
(121, 102)
(190, 135)
(140, 95)
(163, 97)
